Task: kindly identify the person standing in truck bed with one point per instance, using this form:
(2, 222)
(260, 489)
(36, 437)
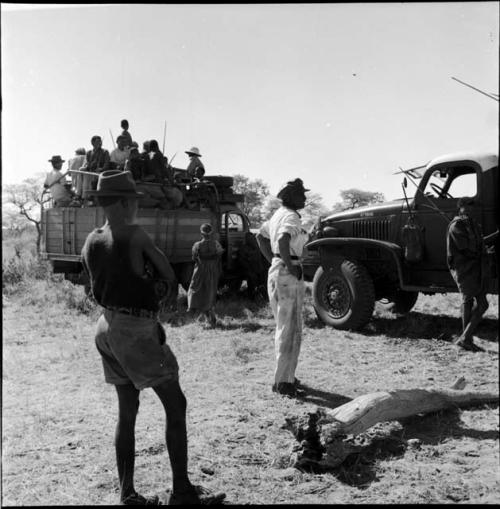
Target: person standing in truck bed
(129, 337)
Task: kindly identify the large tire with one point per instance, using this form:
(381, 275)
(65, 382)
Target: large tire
(343, 295)
(401, 302)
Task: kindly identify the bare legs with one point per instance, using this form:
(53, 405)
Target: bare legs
(128, 406)
(174, 403)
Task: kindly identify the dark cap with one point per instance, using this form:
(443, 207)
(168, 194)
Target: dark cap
(293, 186)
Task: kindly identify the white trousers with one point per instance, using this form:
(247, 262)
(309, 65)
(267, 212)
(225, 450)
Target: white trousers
(286, 296)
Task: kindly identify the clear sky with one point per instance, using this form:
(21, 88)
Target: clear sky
(340, 95)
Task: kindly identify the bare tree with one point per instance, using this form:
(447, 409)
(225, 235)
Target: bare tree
(28, 198)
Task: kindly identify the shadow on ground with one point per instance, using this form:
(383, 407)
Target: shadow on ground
(416, 325)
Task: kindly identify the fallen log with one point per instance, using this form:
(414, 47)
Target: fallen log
(325, 436)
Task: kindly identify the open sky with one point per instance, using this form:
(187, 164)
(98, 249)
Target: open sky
(340, 95)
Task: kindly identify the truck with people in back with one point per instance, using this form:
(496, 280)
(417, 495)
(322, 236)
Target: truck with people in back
(393, 251)
(173, 220)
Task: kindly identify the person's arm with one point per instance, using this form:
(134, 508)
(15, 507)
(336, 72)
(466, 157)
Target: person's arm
(265, 247)
(284, 247)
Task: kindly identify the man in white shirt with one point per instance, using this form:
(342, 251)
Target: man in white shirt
(119, 155)
(55, 181)
(281, 240)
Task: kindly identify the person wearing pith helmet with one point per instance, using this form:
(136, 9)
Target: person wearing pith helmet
(281, 240)
(195, 169)
(125, 268)
(54, 182)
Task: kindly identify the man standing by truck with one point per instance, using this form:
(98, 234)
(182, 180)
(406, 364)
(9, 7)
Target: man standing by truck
(129, 337)
(466, 258)
(281, 240)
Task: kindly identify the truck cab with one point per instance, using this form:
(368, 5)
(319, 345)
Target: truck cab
(395, 250)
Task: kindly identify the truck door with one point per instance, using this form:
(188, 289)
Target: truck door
(234, 226)
(436, 205)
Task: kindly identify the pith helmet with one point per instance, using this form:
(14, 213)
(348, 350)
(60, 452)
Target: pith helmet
(115, 183)
(193, 151)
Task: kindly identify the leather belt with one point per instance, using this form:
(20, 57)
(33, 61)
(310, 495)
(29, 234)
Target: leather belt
(276, 255)
(141, 313)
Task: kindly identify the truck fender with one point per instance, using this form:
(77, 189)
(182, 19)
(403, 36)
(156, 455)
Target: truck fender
(327, 246)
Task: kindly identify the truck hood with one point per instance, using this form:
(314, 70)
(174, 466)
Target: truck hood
(379, 209)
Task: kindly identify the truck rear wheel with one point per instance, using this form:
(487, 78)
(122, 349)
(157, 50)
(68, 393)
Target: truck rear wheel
(401, 302)
(343, 295)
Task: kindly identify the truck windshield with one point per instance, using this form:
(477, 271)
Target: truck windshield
(452, 183)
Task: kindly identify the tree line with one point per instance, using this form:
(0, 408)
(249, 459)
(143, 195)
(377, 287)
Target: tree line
(23, 203)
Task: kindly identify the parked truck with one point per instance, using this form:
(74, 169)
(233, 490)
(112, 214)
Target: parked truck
(174, 230)
(393, 251)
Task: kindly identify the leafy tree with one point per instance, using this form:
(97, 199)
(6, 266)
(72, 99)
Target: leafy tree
(353, 198)
(309, 214)
(28, 199)
(255, 191)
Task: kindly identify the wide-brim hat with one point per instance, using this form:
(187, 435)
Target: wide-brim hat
(56, 159)
(193, 151)
(115, 183)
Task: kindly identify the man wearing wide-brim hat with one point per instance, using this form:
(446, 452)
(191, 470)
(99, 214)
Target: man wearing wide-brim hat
(54, 182)
(281, 240)
(195, 169)
(129, 336)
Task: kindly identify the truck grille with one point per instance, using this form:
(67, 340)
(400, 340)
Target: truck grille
(371, 229)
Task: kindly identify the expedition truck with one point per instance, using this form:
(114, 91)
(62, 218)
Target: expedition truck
(174, 230)
(393, 251)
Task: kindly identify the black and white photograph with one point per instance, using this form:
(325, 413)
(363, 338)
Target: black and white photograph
(250, 253)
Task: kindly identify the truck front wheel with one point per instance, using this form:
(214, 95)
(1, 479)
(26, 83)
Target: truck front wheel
(343, 295)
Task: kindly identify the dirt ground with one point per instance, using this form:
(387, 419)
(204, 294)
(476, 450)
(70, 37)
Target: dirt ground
(58, 415)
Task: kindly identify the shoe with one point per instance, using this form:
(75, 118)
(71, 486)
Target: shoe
(136, 499)
(197, 496)
(468, 345)
(285, 389)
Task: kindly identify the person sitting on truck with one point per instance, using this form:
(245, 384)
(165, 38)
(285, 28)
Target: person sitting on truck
(135, 163)
(281, 240)
(195, 169)
(202, 292)
(121, 261)
(119, 155)
(78, 179)
(466, 257)
(55, 183)
(97, 159)
(157, 169)
(126, 134)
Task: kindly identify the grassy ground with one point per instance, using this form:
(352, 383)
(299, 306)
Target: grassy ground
(58, 415)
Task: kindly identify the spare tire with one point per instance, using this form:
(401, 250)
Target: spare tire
(220, 180)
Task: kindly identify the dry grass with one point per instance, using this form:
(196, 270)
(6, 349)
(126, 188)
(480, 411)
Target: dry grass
(58, 415)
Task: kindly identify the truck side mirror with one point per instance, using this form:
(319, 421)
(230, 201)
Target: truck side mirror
(405, 182)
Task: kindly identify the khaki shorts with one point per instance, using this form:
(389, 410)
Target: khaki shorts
(134, 351)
